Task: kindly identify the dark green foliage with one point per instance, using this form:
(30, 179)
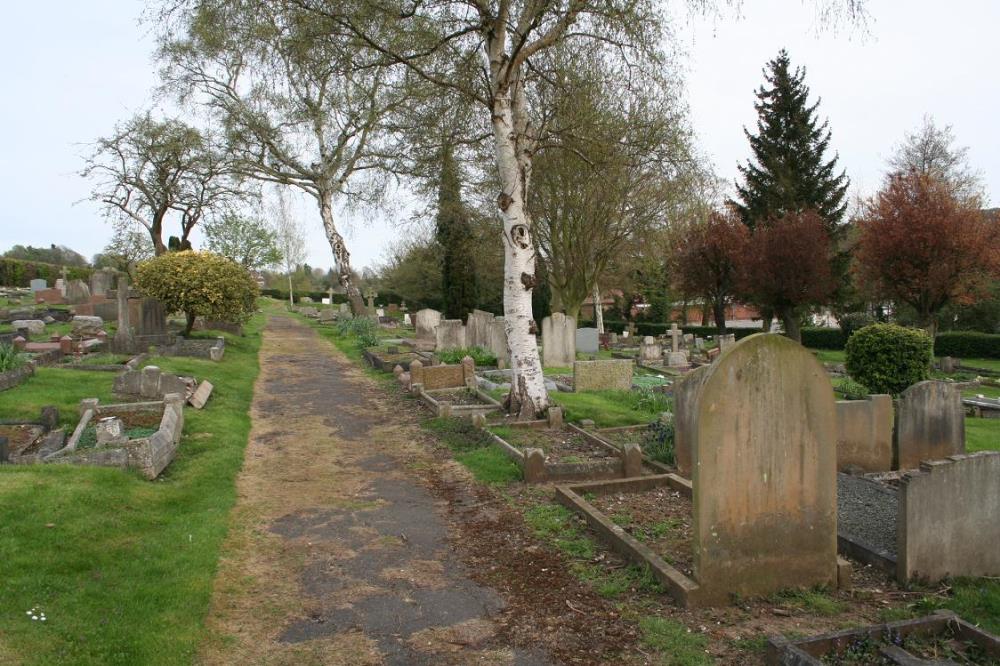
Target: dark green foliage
(363, 328)
(661, 446)
(788, 173)
(853, 321)
(60, 255)
(18, 273)
(967, 344)
(887, 358)
(454, 234)
(10, 358)
(482, 357)
(821, 337)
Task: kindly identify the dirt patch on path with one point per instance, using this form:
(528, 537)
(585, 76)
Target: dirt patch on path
(337, 552)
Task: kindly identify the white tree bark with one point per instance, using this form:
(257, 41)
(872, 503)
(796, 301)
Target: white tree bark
(598, 310)
(340, 254)
(528, 397)
(291, 299)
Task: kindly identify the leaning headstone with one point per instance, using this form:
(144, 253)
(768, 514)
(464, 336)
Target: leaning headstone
(38, 285)
(765, 472)
(558, 340)
(201, 394)
(930, 424)
(77, 291)
(587, 341)
(426, 322)
(110, 431)
(450, 334)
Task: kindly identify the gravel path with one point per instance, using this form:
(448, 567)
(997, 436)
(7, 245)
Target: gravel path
(866, 512)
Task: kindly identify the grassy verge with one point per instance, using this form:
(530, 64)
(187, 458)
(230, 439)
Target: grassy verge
(982, 434)
(474, 449)
(608, 409)
(122, 567)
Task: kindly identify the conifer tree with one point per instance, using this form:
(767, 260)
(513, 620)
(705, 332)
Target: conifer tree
(454, 234)
(788, 172)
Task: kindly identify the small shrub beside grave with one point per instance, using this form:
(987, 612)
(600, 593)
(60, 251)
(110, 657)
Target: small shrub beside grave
(887, 358)
(482, 357)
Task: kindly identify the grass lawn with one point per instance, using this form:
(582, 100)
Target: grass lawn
(982, 434)
(829, 355)
(122, 567)
(612, 408)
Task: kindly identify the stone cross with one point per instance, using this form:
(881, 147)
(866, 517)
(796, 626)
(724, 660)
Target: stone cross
(370, 294)
(329, 292)
(675, 335)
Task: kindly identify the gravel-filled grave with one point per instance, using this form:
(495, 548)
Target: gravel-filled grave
(559, 446)
(866, 512)
(662, 519)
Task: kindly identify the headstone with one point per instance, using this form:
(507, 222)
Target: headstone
(101, 282)
(726, 341)
(407, 320)
(380, 312)
(305, 299)
(124, 340)
(765, 472)
(149, 316)
(930, 424)
(77, 291)
(498, 340)
(864, 434)
(426, 322)
(699, 343)
(149, 386)
(613, 339)
(344, 308)
(950, 365)
(370, 295)
(450, 334)
(558, 340)
(675, 338)
(602, 375)
(650, 350)
(38, 285)
(33, 326)
(676, 359)
(201, 394)
(688, 340)
(685, 406)
(587, 340)
(110, 431)
(477, 328)
(87, 326)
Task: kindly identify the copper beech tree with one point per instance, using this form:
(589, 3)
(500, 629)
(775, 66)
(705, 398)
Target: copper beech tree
(707, 260)
(919, 244)
(788, 266)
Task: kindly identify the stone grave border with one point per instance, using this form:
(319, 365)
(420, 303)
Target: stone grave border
(661, 468)
(682, 589)
(128, 365)
(12, 378)
(628, 463)
(148, 455)
(808, 651)
(444, 408)
(381, 364)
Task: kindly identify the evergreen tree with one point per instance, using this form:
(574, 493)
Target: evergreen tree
(454, 234)
(788, 173)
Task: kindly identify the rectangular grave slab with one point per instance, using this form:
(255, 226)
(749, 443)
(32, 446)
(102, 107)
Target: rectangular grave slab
(864, 434)
(587, 341)
(200, 397)
(558, 340)
(602, 375)
(930, 424)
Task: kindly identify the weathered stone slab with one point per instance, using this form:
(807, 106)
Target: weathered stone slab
(498, 340)
(85, 325)
(77, 291)
(864, 434)
(200, 397)
(930, 424)
(101, 282)
(602, 375)
(51, 296)
(587, 340)
(949, 518)
(38, 285)
(764, 473)
(426, 322)
(477, 329)
(685, 405)
(34, 326)
(450, 334)
(650, 350)
(436, 377)
(558, 340)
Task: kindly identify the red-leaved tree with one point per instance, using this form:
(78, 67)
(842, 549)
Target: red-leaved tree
(707, 258)
(787, 267)
(920, 245)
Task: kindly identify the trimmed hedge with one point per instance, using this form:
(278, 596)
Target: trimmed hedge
(19, 273)
(886, 358)
(822, 337)
(967, 344)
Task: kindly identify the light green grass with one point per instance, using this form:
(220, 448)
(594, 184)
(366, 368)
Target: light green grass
(474, 449)
(122, 567)
(612, 408)
(987, 391)
(829, 355)
(676, 644)
(982, 434)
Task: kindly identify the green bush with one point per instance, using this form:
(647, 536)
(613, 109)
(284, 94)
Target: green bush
(363, 328)
(822, 337)
(661, 444)
(199, 284)
(967, 344)
(887, 358)
(482, 357)
(19, 273)
(10, 358)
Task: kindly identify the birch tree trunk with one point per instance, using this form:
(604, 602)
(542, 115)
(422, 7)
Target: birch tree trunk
(598, 310)
(528, 397)
(340, 254)
(291, 299)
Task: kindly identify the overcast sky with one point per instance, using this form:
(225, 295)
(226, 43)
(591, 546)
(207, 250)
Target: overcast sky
(74, 69)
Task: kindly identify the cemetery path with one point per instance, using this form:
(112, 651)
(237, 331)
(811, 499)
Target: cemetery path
(340, 551)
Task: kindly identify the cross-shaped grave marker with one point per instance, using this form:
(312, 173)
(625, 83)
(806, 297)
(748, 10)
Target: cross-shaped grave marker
(675, 336)
(371, 294)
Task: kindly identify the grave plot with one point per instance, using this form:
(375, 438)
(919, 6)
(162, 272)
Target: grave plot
(143, 436)
(387, 357)
(926, 524)
(460, 402)
(26, 442)
(97, 362)
(655, 439)
(548, 451)
(941, 638)
(764, 479)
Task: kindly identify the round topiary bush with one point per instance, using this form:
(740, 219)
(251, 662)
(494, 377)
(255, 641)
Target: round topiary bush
(887, 358)
(199, 284)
